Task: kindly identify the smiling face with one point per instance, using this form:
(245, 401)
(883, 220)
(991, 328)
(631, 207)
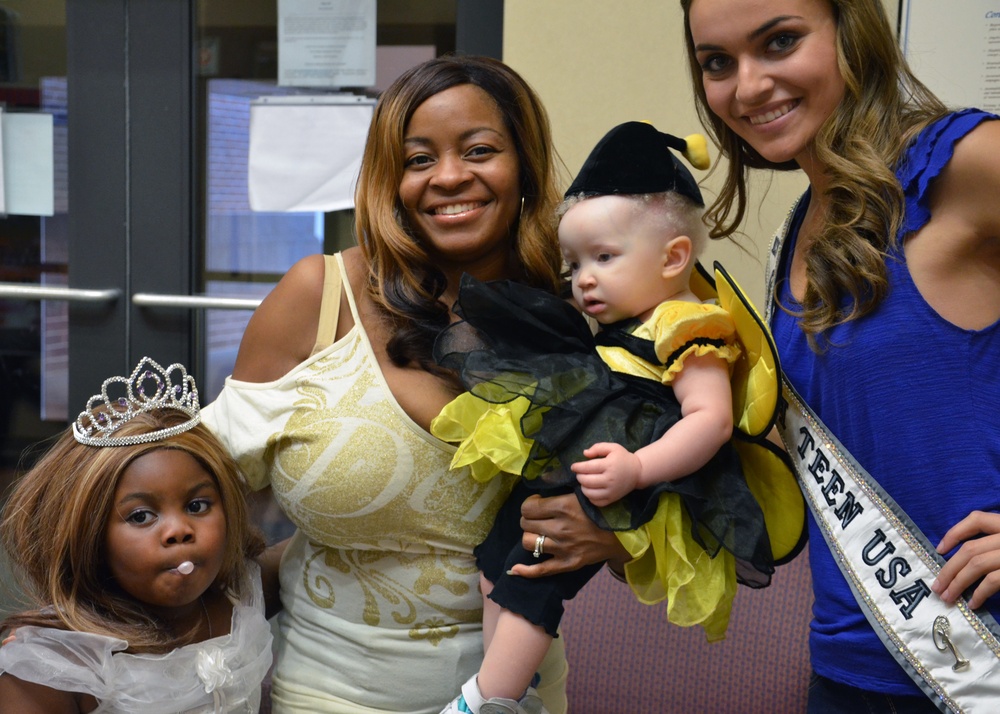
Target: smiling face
(770, 72)
(461, 181)
(616, 254)
(166, 510)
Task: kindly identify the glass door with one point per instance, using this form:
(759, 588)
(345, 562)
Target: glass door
(246, 249)
(149, 246)
(34, 241)
(114, 82)
(34, 232)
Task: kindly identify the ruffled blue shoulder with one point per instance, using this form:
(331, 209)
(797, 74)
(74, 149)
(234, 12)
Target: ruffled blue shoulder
(927, 156)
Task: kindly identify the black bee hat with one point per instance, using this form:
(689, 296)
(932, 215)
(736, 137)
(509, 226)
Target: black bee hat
(635, 158)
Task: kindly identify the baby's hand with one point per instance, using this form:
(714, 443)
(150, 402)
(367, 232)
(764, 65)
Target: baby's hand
(610, 472)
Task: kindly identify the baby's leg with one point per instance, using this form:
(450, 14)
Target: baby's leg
(491, 612)
(515, 652)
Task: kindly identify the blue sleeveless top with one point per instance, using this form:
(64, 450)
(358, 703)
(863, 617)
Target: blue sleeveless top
(914, 399)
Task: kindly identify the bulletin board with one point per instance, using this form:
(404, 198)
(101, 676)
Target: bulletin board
(953, 47)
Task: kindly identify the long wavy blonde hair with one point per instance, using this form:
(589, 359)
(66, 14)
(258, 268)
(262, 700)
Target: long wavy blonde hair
(404, 282)
(54, 531)
(860, 144)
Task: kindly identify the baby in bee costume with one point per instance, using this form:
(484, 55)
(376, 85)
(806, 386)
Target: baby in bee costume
(638, 419)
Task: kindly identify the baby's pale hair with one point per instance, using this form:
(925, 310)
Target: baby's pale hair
(674, 214)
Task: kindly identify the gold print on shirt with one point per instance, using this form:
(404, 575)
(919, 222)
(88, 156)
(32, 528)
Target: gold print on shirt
(390, 527)
(434, 630)
(369, 571)
(352, 474)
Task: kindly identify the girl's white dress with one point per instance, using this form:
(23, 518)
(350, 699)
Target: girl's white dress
(222, 674)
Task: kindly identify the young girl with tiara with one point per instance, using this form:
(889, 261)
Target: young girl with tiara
(637, 421)
(131, 536)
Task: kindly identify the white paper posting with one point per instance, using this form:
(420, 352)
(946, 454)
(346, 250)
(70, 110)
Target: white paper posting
(305, 152)
(28, 164)
(954, 48)
(3, 200)
(326, 43)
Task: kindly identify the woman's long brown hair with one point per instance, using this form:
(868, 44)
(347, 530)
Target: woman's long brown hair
(404, 282)
(860, 145)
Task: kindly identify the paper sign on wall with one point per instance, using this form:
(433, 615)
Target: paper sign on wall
(954, 48)
(3, 199)
(326, 43)
(305, 152)
(28, 164)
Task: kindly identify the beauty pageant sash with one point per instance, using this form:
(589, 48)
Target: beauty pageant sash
(950, 651)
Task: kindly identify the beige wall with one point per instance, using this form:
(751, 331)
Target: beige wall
(596, 64)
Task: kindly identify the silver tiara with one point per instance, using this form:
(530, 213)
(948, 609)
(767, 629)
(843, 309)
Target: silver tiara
(149, 388)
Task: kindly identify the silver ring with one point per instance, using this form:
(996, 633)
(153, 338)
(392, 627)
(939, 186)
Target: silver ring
(539, 545)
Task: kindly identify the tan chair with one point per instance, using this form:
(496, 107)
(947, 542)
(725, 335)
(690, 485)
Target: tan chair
(625, 659)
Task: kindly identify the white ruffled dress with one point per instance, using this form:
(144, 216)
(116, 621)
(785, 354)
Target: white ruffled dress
(223, 674)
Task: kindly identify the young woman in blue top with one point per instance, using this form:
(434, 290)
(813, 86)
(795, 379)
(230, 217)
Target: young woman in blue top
(887, 293)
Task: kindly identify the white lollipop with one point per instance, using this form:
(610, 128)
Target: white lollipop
(185, 568)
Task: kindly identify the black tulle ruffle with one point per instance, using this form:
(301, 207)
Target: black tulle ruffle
(515, 341)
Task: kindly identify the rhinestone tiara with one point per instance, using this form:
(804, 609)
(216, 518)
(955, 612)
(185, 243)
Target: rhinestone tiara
(171, 388)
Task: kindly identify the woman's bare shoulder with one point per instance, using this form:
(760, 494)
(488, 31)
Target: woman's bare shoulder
(970, 182)
(954, 257)
(282, 331)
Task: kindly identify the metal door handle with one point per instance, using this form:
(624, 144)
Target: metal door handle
(21, 291)
(24, 291)
(194, 302)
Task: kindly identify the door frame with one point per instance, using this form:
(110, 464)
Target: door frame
(132, 187)
(134, 191)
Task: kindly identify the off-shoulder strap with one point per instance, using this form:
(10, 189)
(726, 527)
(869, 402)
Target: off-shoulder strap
(329, 310)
